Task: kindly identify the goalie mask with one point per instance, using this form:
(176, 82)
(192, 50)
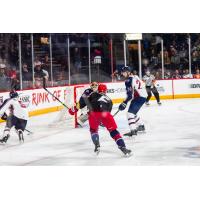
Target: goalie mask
(94, 86)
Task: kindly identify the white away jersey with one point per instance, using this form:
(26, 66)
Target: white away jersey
(139, 86)
(135, 85)
(19, 110)
(149, 80)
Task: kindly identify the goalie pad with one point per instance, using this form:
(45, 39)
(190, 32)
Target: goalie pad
(82, 119)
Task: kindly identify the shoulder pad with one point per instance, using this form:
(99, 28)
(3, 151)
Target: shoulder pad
(87, 92)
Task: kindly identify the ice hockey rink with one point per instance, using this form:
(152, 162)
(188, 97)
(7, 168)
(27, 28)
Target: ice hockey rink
(172, 138)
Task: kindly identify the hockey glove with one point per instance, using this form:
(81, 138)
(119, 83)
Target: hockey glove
(122, 106)
(4, 116)
(73, 110)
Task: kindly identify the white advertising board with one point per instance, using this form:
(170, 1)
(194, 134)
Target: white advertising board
(116, 90)
(186, 86)
(39, 99)
(164, 87)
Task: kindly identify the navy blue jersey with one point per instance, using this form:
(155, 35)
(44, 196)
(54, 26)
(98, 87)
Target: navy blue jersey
(86, 93)
(134, 88)
(129, 89)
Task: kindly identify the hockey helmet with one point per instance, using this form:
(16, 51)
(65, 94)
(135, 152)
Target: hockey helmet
(94, 86)
(102, 88)
(126, 69)
(13, 94)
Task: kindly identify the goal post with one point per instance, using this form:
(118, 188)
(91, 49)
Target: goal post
(72, 96)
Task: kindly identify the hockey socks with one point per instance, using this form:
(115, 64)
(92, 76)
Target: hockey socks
(133, 120)
(118, 139)
(20, 135)
(120, 142)
(95, 138)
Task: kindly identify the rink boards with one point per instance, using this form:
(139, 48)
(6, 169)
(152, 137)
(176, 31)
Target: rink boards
(39, 101)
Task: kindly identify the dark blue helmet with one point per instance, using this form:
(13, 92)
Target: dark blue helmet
(126, 69)
(13, 94)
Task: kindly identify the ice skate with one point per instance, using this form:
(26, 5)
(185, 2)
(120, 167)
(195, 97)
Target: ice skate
(159, 103)
(141, 129)
(125, 151)
(147, 103)
(131, 133)
(97, 149)
(5, 138)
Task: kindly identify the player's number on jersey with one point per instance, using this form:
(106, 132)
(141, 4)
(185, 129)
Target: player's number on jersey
(104, 99)
(138, 84)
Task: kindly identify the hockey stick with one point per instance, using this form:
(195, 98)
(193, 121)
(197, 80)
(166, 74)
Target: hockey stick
(28, 131)
(44, 87)
(116, 113)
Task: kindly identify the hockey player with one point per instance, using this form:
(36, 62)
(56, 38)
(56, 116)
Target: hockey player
(149, 80)
(136, 93)
(18, 118)
(100, 106)
(82, 104)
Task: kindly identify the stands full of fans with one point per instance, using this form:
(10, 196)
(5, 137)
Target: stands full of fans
(57, 71)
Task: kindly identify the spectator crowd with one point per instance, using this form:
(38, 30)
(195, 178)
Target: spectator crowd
(175, 54)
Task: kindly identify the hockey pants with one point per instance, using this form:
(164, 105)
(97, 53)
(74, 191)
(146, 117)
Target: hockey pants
(154, 91)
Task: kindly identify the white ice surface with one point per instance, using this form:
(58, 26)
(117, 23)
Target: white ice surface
(172, 138)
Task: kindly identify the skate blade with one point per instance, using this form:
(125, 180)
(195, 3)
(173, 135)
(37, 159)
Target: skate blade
(142, 132)
(128, 155)
(129, 135)
(30, 133)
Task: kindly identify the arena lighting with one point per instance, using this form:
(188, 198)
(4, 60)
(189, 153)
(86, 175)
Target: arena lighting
(133, 36)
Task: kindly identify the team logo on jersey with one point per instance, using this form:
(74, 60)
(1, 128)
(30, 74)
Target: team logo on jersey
(104, 99)
(24, 100)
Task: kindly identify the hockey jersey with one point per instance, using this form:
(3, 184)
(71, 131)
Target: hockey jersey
(19, 110)
(85, 94)
(99, 102)
(134, 87)
(149, 80)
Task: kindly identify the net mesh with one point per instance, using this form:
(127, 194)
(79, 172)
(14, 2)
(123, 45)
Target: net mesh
(72, 95)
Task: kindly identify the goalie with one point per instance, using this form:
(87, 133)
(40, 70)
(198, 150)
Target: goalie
(81, 104)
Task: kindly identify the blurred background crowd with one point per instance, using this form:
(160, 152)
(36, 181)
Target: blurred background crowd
(78, 58)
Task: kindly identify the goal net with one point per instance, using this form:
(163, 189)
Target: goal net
(71, 97)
